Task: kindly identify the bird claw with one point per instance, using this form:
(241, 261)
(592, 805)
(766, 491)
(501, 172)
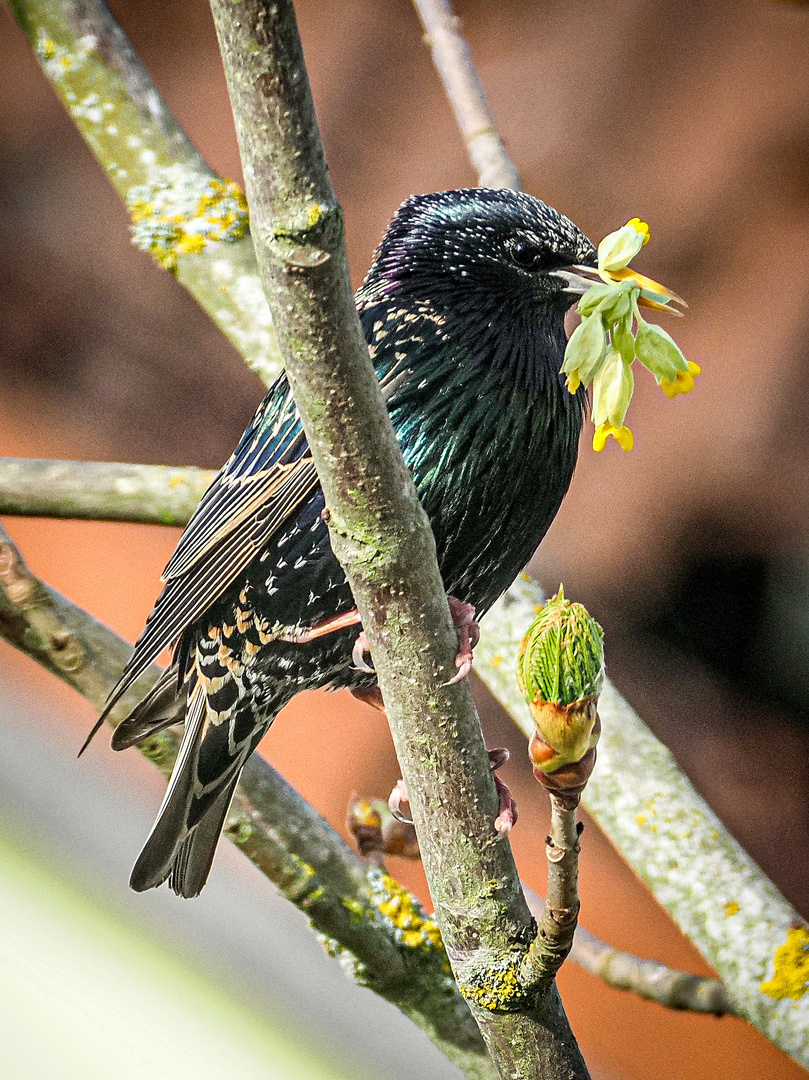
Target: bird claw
(361, 647)
(507, 812)
(468, 631)
(397, 800)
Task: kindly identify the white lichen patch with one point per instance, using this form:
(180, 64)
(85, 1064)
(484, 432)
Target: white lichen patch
(57, 60)
(180, 212)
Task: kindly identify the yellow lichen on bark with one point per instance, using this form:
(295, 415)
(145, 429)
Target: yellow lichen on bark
(791, 976)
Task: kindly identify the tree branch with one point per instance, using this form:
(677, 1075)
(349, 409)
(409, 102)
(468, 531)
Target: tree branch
(101, 491)
(355, 908)
(560, 911)
(453, 61)
(147, 157)
(383, 539)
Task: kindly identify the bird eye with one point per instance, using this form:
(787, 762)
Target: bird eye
(528, 256)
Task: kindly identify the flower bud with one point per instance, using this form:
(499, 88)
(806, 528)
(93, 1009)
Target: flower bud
(560, 672)
(612, 390)
(659, 352)
(586, 349)
(618, 248)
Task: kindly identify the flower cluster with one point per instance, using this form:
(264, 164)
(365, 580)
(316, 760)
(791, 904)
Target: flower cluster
(613, 334)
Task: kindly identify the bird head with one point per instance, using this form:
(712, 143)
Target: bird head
(483, 252)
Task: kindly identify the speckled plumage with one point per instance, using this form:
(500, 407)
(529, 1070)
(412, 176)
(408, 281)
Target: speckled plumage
(464, 321)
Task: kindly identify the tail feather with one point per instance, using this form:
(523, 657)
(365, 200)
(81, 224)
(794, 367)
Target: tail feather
(164, 705)
(192, 862)
(154, 864)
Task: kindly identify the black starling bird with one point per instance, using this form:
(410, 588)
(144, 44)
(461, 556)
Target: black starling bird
(463, 310)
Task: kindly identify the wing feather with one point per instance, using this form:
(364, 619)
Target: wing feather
(268, 476)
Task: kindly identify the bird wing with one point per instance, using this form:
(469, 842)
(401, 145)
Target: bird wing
(268, 475)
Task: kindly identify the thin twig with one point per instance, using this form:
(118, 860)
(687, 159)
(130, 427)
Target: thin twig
(270, 822)
(650, 979)
(561, 909)
(453, 61)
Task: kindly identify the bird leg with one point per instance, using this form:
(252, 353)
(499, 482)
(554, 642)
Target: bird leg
(506, 819)
(463, 618)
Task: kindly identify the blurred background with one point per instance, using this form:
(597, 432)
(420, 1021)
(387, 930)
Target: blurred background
(693, 550)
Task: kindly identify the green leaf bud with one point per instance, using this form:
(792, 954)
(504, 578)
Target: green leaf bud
(560, 671)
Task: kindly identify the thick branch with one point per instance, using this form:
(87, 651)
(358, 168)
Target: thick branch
(111, 99)
(274, 826)
(382, 536)
(467, 97)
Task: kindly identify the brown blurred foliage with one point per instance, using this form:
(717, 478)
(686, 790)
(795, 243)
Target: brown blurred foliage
(691, 550)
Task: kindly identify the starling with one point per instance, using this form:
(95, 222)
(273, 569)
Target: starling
(463, 311)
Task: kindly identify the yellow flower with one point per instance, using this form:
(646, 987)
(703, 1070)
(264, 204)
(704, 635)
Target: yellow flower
(683, 381)
(622, 435)
(612, 390)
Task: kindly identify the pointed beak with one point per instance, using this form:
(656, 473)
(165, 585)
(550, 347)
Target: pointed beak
(578, 279)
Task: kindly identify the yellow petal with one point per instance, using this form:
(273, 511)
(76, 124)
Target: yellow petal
(683, 383)
(622, 435)
(641, 227)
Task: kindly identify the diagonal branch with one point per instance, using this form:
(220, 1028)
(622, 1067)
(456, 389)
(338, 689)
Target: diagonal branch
(150, 161)
(382, 537)
(354, 907)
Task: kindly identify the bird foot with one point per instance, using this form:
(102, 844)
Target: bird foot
(468, 631)
(399, 801)
(361, 647)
